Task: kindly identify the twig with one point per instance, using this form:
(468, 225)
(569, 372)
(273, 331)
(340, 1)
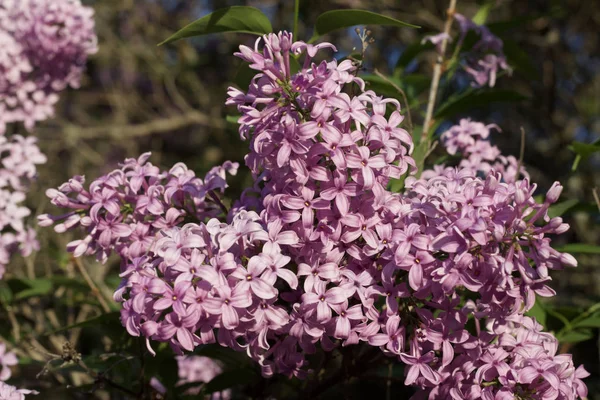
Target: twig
(157, 126)
(16, 328)
(596, 197)
(218, 201)
(95, 291)
(431, 149)
(437, 72)
(399, 89)
(521, 154)
(388, 383)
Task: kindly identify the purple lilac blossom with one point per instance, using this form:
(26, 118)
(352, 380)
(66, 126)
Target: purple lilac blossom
(44, 45)
(319, 254)
(19, 157)
(8, 392)
(7, 360)
(486, 57)
(470, 140)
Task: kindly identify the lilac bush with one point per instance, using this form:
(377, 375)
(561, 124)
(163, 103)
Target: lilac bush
(319, 254)
(44, 48)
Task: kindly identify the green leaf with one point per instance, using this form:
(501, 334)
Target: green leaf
(409, 54)
(230, 19)
(228, 379)
(6, 294)
(583, 150)
(579, 248)
(538, 312)
(232, 119)
(483, 12)
(589, 322)
(558, 209)
(107, 320)
(476, 98)
(518, 59)
(413, 85)
(25, 288)
(337, 19)
(229, 357)
(576, 336)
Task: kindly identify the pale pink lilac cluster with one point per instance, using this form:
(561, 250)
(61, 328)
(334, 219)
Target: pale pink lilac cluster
(9, 392)
(44, 45)
(198, 369)
(7, 360)
(486, 58)
(19, 157)
(319, 253)
(124, 210)
(195, 369)
(470, 141)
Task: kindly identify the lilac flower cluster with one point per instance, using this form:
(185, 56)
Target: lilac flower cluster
(124, 210)
(9, 392)
(486, 57)
(44, 45)
(319, 254)
(18, 159)
(7, 360)
(193, 369)
(470, 141)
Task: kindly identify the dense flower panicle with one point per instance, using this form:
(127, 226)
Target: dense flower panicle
(9, 392)
(486, 58)
(319, 254)
(44, 47)
(470, 140)
(193, 369)
(125, 209)
(7, 360)
(19, 157)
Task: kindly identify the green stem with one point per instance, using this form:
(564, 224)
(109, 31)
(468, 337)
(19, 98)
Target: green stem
(296, 16)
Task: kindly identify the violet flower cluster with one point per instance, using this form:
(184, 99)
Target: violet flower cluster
(44, 45)
(195, 369)
(124, 210)
(19, 157)
(318, 253)
(470, 141)
(486, 58)
(9, 392)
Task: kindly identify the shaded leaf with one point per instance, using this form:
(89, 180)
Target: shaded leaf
(576, 336)
(231, 378)
(410, 53)
(230, 19)
(108, 320)
(474, 99)
(589, 322)
(538, 312)
(583, 151)
(558, 209)
(227, 356)
(337, 19)
(579, 248)
(25, 288)
(518, 59)
(6, 294)
(482, 14)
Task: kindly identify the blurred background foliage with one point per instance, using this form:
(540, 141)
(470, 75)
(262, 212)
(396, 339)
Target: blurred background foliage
(138, 97)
